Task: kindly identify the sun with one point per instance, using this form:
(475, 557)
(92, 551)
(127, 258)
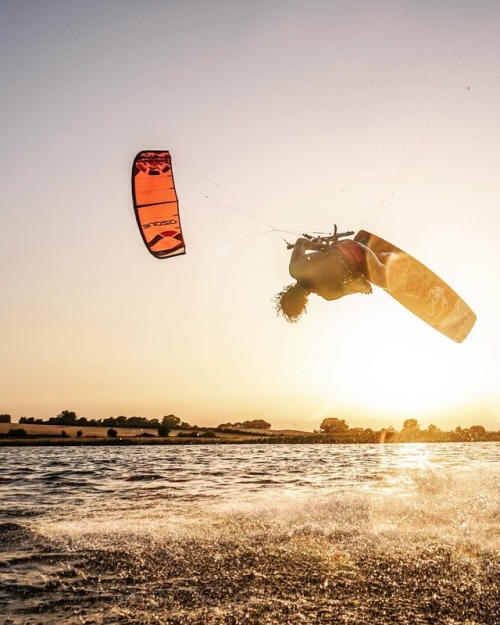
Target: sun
(391, 366)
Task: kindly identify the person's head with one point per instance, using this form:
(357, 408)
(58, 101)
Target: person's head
(291, 302)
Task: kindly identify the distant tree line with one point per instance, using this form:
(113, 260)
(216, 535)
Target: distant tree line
(167, 423)
(257, 424)
(68, 417)
(411, 432)
(338, 428)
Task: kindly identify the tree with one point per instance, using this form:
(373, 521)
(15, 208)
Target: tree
(112, 433)
(163, 430)
(332, 424)
(411, 431)
(171, 421)
(137, 422)
(66, 417)
(257, 424)
(477, 432)
(79, 434)
(5, 418)
(17, 433)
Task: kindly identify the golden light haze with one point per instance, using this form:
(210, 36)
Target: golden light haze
(281, 118)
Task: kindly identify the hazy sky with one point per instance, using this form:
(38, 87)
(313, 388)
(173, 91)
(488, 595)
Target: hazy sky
(382, 115)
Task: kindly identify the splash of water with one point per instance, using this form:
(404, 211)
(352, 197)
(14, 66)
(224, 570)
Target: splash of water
(411, 544)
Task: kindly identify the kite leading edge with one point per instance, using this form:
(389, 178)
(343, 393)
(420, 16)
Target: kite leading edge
(156, 205)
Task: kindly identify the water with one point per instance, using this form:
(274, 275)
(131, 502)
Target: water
(254, 534)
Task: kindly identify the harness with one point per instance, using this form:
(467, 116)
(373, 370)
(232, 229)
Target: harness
(352, 258)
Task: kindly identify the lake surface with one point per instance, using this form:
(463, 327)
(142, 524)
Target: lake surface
(264, 534)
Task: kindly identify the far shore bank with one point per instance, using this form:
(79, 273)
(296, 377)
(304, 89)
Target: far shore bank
(36, 435)
(267, 440)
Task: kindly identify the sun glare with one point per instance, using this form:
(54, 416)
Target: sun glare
(416, 456)
(387, 376)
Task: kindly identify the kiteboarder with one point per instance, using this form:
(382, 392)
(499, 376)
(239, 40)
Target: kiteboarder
(330, 268)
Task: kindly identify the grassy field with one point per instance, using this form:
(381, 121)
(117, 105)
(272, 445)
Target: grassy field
(101, 432)
(71, 430)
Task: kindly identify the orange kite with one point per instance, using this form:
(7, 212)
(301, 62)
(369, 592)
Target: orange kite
(155, 203)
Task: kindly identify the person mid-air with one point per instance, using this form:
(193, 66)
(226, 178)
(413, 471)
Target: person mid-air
(333, 268)
(328, 267)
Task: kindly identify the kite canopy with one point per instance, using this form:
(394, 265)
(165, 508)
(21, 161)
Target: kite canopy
(155, 203)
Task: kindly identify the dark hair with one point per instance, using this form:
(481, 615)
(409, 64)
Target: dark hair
(291, 302)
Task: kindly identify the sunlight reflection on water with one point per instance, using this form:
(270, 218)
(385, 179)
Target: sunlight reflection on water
(404, 485)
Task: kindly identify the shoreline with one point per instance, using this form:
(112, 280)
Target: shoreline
(276, 440)
(51, 435)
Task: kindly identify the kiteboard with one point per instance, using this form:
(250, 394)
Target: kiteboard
(416, 287)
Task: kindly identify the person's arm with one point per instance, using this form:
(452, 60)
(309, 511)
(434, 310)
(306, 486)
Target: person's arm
(301, 246)
(303, 266)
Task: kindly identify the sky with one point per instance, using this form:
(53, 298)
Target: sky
(281, 117)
